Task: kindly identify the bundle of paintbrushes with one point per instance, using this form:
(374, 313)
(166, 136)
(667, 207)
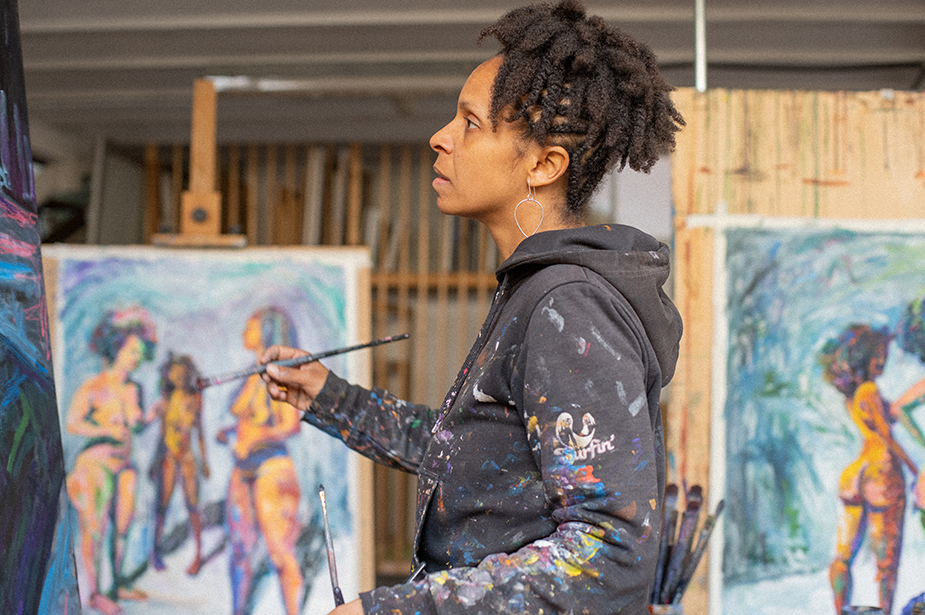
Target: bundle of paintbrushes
(678, 553)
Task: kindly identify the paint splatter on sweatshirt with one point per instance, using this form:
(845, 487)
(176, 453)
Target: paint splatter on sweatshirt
(540, 479)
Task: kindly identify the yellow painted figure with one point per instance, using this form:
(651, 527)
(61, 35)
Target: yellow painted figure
(263, 493)
(106, 410)
(872, 489)
(180, 411)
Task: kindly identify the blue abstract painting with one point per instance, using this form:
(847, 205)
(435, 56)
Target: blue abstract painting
(189, 501)
(824, 419)
(36, 557)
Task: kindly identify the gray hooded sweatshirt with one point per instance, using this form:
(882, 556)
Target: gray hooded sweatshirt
(540, 480)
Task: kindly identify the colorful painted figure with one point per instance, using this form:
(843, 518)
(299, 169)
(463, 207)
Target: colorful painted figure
(180, 411)
(911, 337)
(872, 488)
(106, 410)
(901, 410)
(263, 493)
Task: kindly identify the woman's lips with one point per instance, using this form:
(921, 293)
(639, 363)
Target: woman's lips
(440, 180)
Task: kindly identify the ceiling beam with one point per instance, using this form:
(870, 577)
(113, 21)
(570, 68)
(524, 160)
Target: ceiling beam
(858, 13)
(279, 59)
(259, 66)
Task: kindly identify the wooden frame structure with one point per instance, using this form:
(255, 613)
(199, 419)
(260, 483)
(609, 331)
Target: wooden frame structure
(805, 155)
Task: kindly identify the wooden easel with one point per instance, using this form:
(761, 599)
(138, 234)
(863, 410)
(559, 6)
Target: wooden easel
(201, 205)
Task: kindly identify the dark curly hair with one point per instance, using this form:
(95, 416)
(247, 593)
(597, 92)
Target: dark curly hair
(117, 326)
(585, 86)
(167, 386)
(854, 357)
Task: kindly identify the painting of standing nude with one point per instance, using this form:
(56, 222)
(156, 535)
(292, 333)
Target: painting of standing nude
(180, 412)
(824, 416)
(188, 501)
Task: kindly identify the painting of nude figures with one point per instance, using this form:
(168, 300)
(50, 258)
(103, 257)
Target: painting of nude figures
(191, 501)
(824, 421)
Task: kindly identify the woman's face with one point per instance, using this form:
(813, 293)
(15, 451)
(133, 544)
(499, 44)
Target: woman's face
(129, 356)
(177, 374)
(481, 173)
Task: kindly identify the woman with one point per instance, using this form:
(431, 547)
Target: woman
(180, 411)
(872, 488)
(541, 477)
(106, 410)
(263, 493)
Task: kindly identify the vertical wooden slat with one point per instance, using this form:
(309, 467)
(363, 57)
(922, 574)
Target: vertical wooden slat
(290, 222)
(382, 474)
(462, 293)
(404, 253)
(271, 192)
(400, 490)
(382, 289)
(443, 287)
(354, 194)
(423, 267)
(234, 189)
(287, 213)
(313, 202)
(152, 171)
(176, 172)
(253, 173)
(337, 206)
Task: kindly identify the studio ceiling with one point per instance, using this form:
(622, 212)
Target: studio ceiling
(374, 70)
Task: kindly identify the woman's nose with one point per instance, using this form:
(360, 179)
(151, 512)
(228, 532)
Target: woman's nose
(441, 142)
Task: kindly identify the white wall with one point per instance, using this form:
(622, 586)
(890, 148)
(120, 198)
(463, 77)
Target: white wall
(642, 200)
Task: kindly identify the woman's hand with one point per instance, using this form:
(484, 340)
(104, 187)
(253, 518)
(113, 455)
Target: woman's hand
(354, 607)
(296, 385)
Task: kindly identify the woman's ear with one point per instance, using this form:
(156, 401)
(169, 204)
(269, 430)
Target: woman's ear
(551, 164)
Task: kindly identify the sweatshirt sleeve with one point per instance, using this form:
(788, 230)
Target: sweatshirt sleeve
(373, 422)
(590, 405)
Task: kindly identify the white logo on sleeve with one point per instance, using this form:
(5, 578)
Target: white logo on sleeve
(582, 442)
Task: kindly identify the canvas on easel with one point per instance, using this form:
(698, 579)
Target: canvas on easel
(799, 243)
(36, 555)
(190, 502)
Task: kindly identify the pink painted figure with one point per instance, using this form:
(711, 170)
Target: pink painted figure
(106, 410)
(263, 493)
(872, 489)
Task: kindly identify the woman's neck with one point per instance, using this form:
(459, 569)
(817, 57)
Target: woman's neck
(508, 237)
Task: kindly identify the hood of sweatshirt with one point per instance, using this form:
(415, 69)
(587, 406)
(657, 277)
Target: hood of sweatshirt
(635, 263)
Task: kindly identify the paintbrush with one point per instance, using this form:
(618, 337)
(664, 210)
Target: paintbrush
(691, 566)
(329, 544)
(672, 539)
(669, 520)
(202, 383)
(683, 544)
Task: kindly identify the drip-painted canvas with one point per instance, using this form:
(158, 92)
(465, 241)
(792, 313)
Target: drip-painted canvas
(36, 558)
(194, 502)
(824, 421)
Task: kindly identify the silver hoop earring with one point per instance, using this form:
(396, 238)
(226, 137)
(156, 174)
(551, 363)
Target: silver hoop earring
(531, 197)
